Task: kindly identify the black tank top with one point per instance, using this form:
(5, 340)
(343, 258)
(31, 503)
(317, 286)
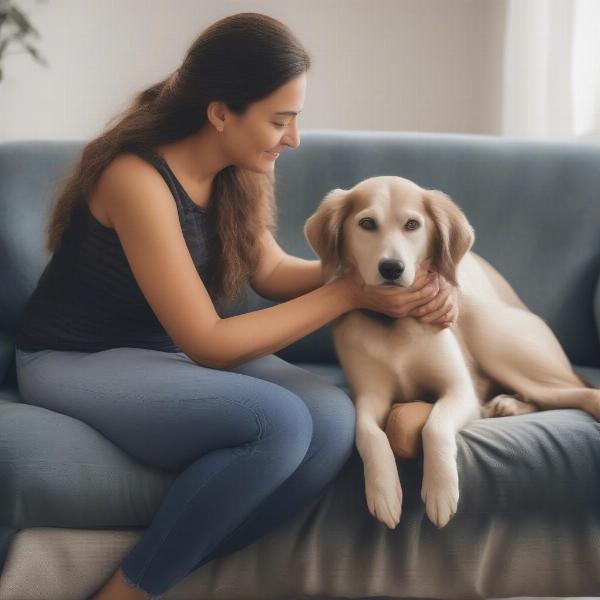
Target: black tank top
(87, 298)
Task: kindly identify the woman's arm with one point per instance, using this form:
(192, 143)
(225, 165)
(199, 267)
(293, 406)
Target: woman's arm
(254, 334)
(292, 277)
(296, 276)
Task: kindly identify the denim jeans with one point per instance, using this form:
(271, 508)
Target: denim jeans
(251, 445)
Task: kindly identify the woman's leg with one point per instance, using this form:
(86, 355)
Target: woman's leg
(235, 438)
(334, 420)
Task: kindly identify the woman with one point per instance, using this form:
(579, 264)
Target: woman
(166, 216)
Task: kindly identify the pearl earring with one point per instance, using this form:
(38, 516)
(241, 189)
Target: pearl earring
(219, 129)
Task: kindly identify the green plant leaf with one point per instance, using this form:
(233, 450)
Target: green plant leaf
(20, 28)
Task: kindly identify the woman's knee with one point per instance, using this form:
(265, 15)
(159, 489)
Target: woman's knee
(332, 411)
(282, 415)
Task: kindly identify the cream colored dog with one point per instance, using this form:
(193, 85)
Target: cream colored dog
(499, 359)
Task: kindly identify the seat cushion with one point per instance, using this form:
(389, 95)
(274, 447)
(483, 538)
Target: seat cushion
(58, 471)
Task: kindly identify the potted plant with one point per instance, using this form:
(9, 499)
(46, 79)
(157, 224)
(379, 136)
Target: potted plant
(15, 28)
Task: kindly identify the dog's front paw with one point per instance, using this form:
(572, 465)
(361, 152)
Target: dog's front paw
(384, 494)
(439, 492)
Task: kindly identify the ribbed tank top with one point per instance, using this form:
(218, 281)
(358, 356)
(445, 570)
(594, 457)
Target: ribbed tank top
(87, 298)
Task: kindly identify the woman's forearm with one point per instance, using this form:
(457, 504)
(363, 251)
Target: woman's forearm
(293, 277)
(241, 338)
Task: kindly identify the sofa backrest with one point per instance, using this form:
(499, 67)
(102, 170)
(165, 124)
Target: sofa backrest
(535, 207)
(534, 204)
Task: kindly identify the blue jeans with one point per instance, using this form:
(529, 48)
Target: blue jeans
(253, 444)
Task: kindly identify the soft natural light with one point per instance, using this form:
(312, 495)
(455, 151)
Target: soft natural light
(586, 68)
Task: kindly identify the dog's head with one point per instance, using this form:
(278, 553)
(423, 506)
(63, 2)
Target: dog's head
(384, 228)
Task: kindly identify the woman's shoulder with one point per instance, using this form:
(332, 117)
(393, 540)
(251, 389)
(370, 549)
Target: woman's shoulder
(125, 173)
(125, 168)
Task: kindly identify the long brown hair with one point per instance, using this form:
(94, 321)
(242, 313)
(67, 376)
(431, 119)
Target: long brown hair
(238, 60)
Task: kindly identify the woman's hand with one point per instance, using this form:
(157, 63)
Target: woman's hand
(442, 310)
(394, 301)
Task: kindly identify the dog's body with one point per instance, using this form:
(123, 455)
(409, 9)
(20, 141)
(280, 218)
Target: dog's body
(498, 349)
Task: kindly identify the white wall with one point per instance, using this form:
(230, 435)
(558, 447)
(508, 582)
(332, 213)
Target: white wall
(412, 65)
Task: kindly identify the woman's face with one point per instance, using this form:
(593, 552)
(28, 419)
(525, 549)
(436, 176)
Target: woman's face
(253, 140)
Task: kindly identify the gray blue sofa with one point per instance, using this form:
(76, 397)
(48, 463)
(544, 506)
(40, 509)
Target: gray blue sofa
(528, 522)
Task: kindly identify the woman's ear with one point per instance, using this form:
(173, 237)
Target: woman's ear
(323, 230)
(453, 235)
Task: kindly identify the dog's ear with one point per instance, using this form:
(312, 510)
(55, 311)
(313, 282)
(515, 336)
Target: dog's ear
(323, 229)
(453, 237)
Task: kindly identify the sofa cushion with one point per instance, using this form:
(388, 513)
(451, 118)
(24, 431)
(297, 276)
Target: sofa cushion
(590, 374)
(57, 471)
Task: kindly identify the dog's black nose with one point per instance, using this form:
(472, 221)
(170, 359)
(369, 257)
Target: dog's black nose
(391, 269)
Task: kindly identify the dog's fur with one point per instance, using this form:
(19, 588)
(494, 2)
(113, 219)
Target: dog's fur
(499, 359)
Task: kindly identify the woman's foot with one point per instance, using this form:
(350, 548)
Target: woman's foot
(116, 588)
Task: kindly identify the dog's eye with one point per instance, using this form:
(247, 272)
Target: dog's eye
(411, 224)
(367, 223)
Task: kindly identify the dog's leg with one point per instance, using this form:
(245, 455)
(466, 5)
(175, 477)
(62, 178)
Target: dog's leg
(383, 491)
(457, 404)
(372, 389)
(549, 398)
(457, 407)
(517, 349)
